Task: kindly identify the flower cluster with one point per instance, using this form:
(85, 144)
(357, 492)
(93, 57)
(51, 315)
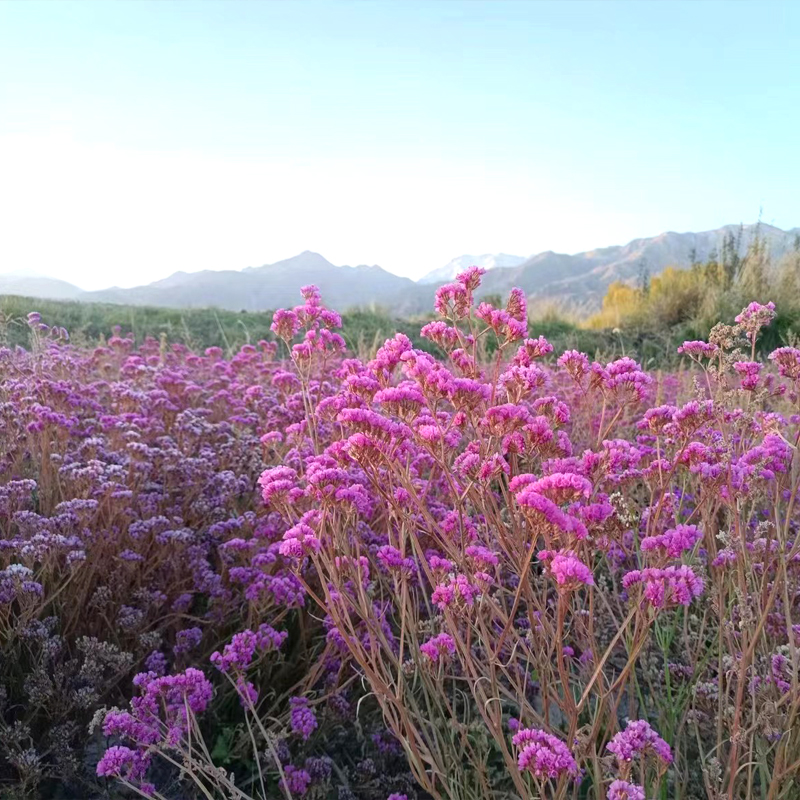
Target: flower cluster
(393, 561)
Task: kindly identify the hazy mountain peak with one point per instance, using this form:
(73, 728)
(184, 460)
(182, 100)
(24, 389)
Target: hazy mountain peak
(459, 264)
(581, 278)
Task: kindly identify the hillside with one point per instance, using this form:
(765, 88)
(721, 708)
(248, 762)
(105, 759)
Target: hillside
(580, 278)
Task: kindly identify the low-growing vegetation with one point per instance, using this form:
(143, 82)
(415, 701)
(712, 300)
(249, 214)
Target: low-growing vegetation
(490, 568)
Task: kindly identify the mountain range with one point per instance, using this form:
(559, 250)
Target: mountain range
(582, 278)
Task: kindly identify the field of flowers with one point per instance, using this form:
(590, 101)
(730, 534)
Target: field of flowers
(504, 573)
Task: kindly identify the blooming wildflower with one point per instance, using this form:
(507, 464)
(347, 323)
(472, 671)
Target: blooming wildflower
(674, 541)
(439, 647)
(452, 300)
(470, 278)
(755, 316)
(749, 372)
(114, 761)
(299, 541)
(391, 559)
(285, 324)
(531, 349)
(666, 587)
(639, 739)
(441, 334)
(248, 694)
(562, 487)
(699, 349)
(543, 754)
(481, 555)
(295, 781)
(186, 640)
(303, 719)
(788, 361)
(567, 569)
(622, 790)
(546, 510)
(575, 363)
(457, 589)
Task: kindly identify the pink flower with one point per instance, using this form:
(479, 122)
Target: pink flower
(439, 647)
(543, 754)
(666, 587)
(285, 324)
(302, 718)
(575, 363)
(698, 349)
(458, 590)
(749, 372)
(298, 541)
(754, 317)
(622, 790)
(532, 349)
(674, 541)
(788, 361)
(568, 570)
(639, 739)
(114, 761)
(562, 487)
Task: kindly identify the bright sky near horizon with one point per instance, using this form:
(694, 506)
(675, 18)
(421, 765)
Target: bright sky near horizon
(140, 138)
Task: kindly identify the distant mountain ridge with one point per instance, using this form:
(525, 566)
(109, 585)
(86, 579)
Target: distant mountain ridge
(581, 278)
(488, 261)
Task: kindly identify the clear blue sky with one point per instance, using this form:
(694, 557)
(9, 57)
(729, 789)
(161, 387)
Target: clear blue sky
(137, 138)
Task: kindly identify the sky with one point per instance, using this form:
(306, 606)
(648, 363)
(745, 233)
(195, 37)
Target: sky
(141, 138)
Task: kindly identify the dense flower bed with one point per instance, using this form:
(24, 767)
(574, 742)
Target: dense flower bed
(505, 572)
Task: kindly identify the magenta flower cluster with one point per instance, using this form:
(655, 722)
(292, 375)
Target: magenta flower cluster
(393, 560)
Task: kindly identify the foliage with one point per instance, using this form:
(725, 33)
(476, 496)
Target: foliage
(496, 571)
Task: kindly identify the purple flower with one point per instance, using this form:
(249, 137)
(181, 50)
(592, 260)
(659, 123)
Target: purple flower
(568, 570)
(666, 587)
(543, 754)
(639, 739)
(302, 718)
(439, 647)
(674, 541)
(296, 780)
(622, 790)
(114, 761)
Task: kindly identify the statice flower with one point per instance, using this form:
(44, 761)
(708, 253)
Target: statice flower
(299, 540)
(561, 487)
(674, 541)
(543, 754)
(788, 361)
(239, 653)
(302, 718)
(186, 640)
(457, 590)
(749, 372)
(452, 301)
(567, 569)
(545, 510)
(295, 781)
(575, 363)
(532, 349)
(754, 317)
(439, 647)
(637, 740)
(114, 761)
(392, 560)
(622, 790)
(666, 587)
(482, 555)
(285, 324)
(699, 349)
